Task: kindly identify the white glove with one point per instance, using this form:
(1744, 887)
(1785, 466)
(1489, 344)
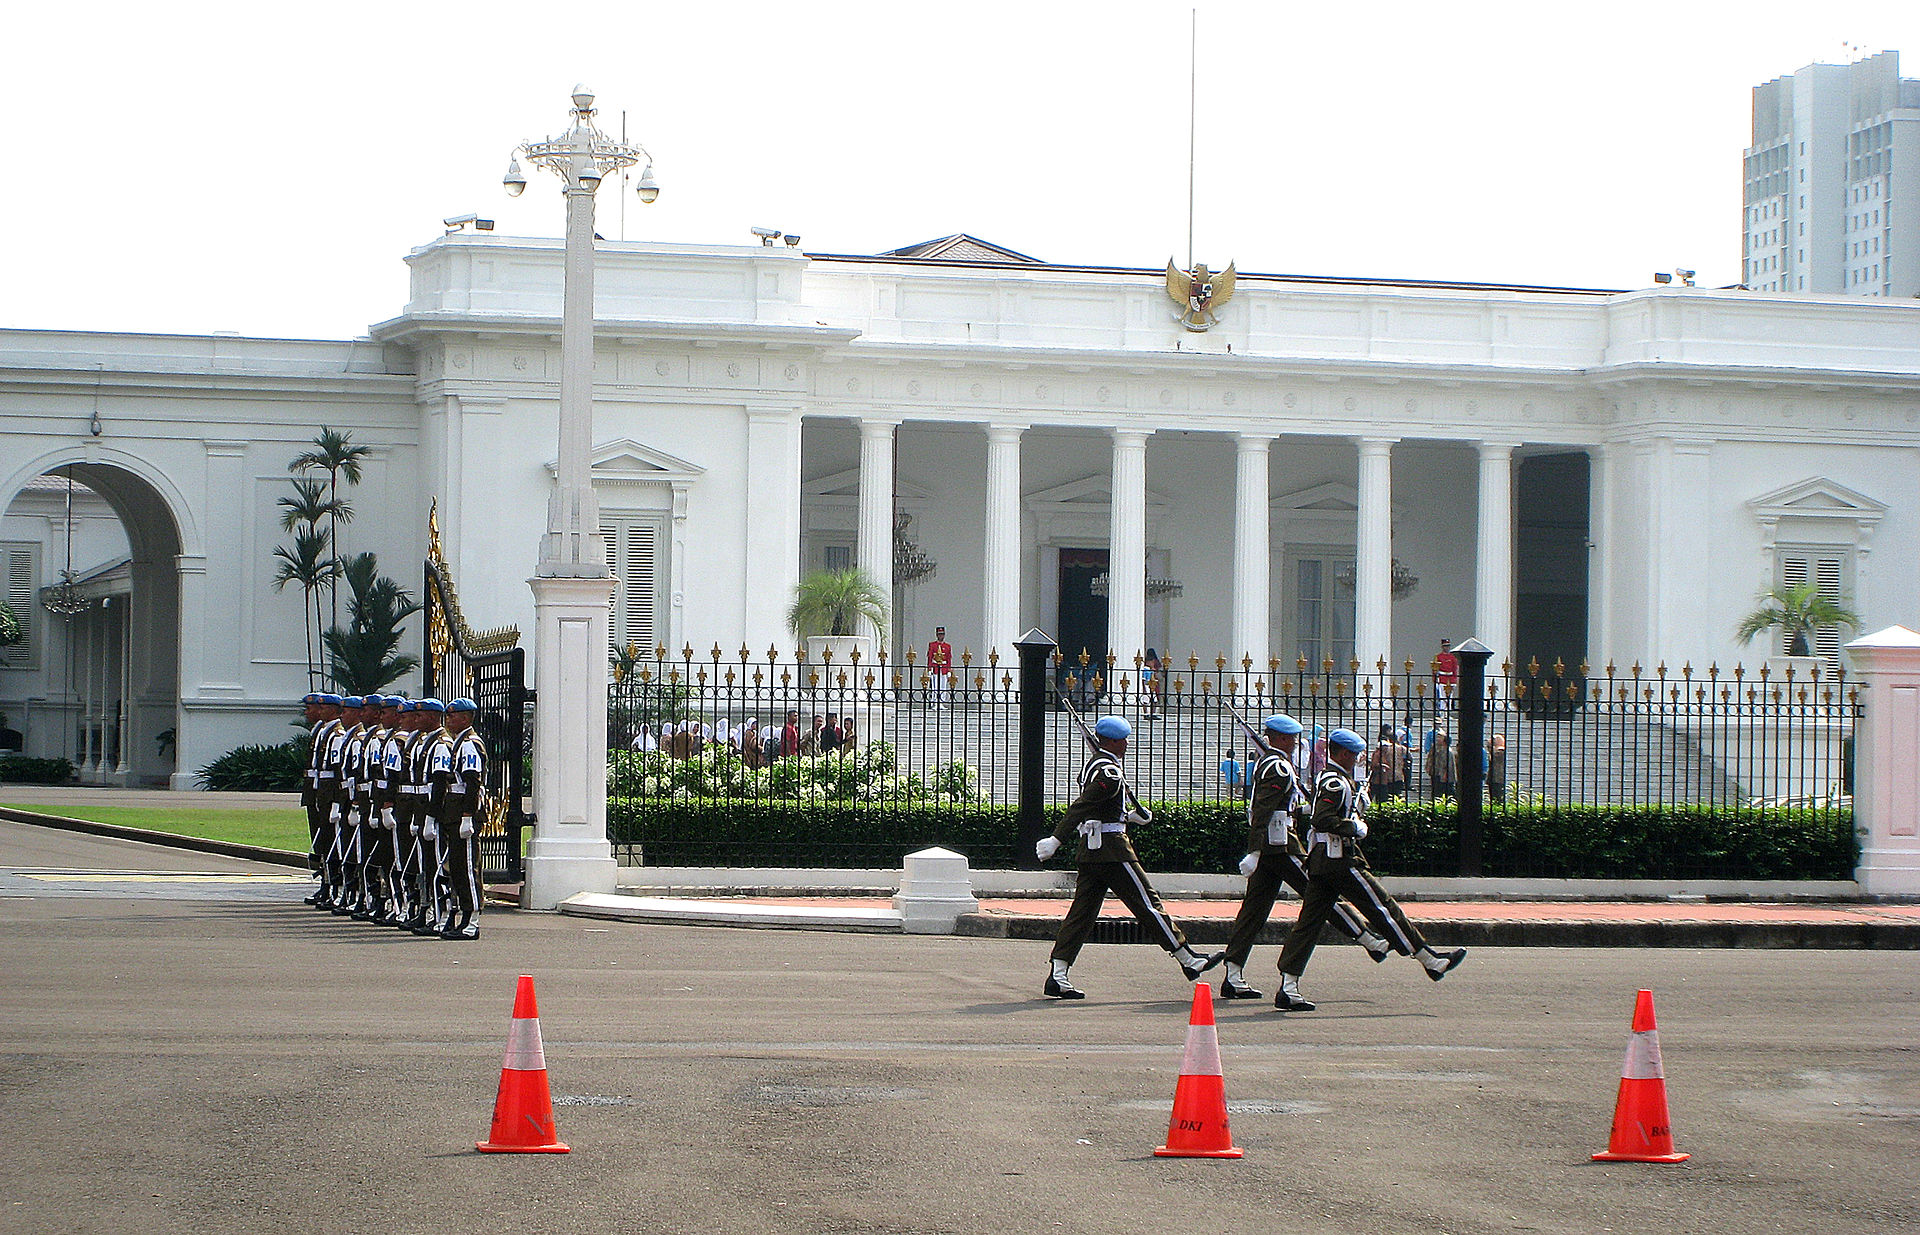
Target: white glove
(1248, 863)
(466, 828)
(430, 830)
(1046, 847)
(386, 818)
(333, 813)
(1359, 829)
(1136, 815)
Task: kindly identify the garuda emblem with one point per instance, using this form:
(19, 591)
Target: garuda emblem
(1199, 293)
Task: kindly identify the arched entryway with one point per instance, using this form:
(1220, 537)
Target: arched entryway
(97, 679)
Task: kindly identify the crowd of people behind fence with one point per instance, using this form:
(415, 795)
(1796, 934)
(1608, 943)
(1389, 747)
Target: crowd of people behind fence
(755, 744)
(1391, 767)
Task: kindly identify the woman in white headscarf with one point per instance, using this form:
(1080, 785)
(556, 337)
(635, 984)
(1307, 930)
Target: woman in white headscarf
(643, 738)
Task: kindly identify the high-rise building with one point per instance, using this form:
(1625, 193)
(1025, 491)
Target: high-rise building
(1833, 182)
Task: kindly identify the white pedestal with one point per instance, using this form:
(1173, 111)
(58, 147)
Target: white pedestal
(569, 853)
(935, 889)
(1886, 785)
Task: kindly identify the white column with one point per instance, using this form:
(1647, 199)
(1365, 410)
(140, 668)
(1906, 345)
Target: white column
(1127, 551)
(1600, 554)
(573, 617)
(97, 691)
(125, 768)
(1251, 550)
(1373, 556)
(772, 531)
(1493, 558)
(1000, 612)
(874, 550)
(1886, 790)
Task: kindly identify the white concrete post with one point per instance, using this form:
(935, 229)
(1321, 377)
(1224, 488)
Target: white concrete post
(1251, 549)
(873, 550)
(1493, 559)
(936, 887)
(1127, 553)
(1886, 771)
(1373, 556)
(1000, 612)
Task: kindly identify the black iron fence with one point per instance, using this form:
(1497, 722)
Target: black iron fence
(724, 759)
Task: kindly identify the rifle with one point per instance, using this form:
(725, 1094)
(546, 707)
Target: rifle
(1086, 731)
(1253, 735)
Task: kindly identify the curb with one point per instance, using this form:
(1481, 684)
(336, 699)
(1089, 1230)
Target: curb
(173, 840)
(1478, 932)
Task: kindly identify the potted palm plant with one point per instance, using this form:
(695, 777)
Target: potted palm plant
(1798, 611)
(828, 609)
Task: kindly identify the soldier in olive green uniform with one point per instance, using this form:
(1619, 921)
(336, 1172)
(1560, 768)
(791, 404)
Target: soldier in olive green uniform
(1337, 868)
(1099, 817)
(1277, 817)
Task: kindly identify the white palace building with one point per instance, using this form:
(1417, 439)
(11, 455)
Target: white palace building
(1335, 469)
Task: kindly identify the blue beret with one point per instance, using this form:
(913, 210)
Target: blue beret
(1113, 727)
(405, 705)
(1346, 739)
(463, 704)
(352, 701)
(330, 699)
(1282, 724)
(312, 698)
(429, 705)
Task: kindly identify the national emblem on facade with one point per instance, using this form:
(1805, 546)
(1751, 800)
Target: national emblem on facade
(1199, 293)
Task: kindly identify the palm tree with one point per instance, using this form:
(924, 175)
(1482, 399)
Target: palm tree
(1799, 611)
(364, 655)
(335, 454)
(832, 602)
(308, 565)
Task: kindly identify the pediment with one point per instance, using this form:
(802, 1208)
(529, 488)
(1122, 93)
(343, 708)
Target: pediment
(840, 487)
(1087, 493)
(1330, 498)
(625, 461)
(1818, 498)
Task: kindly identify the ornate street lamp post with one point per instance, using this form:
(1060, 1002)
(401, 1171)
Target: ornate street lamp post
(572, 588)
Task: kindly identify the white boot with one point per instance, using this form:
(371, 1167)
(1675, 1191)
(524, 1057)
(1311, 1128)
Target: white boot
(1235, 985)
(1059, 986)
(1376, 947)
(1439, 964)
(1289, 1000)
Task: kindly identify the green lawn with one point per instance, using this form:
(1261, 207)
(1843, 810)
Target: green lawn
(272, 829)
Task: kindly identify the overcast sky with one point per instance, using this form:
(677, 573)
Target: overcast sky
(265, 168)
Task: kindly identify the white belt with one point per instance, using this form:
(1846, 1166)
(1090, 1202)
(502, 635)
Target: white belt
(1336, 845)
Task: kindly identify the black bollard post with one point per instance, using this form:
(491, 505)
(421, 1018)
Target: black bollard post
(1036, 652)
(1470, 752)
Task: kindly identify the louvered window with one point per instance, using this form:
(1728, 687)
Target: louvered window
(1830, 569)
(636, 552)
(20, 561)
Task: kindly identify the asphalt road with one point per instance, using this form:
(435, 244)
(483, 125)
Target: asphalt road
(191, 1052)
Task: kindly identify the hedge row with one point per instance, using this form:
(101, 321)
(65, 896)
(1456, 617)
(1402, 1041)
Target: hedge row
(21, 770)
(258, 769)
(1576, 842)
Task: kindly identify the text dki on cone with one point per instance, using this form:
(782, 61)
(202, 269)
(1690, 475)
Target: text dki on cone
(523, 1111)
(1641, 1131)
(1199, 1126)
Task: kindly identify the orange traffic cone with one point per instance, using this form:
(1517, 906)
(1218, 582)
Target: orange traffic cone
(1641, 1132)
(523, 1111)
(1199, 1126)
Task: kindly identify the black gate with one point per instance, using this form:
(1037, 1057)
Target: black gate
(488, 667)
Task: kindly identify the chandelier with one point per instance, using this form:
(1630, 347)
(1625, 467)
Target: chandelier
(1401, 580)
(1157, 588)
(910, 562)
(63, 599)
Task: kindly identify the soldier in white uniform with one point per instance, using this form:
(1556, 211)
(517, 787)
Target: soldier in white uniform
(1108, 863)
(459, 770)
(1337, 868)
